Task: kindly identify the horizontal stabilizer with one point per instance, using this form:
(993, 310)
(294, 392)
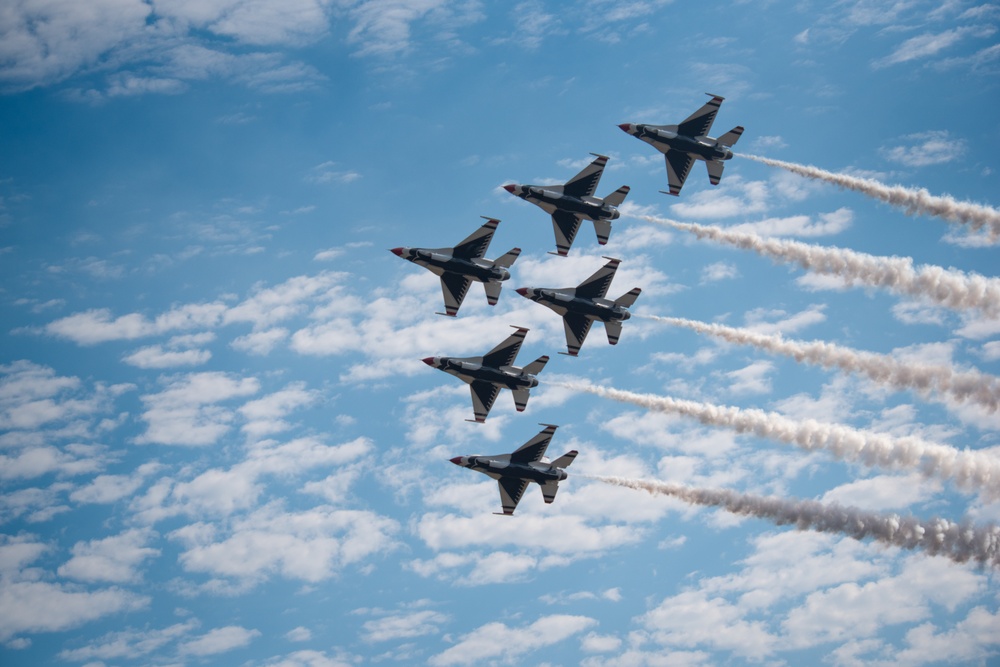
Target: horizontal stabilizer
(715, 171)
(731, 137)
(617, 197)
(536, 366)
(521, 397)
(628, 298)
(564, 460)
(506, 260)
(603, 230)
(549, 490)
(492, 292)
(614, 329)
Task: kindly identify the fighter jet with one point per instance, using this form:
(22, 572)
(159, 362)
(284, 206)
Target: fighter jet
(580, 306)
(683, 144)
(513, 471)
(573, 202)
(460, 265)
(487, 374)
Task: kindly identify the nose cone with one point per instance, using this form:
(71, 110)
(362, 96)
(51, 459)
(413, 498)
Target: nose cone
(510, 187)
(398, 252)
(428, 360)
(457, 460)
(627, 127)
(523, 291)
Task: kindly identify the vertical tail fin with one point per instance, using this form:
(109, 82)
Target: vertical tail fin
(536, 366)
(731, 137)
(506, 260)
(628, 298)
(617, 197)
(564, 460)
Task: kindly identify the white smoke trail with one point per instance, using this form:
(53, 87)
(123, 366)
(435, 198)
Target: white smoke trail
(971, 387)
(968, 470)
(911, 200)
(946, 287)
(960, 542)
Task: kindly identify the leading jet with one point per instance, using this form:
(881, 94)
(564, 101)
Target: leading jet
(683, 144)
(460, 265)
(584, 304)
(571, 203)
(513, 471)
(488, 374)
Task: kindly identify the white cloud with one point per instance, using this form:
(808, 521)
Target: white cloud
(719, 271)
(186, 412)
(128, 644)
(299, 634)
(773, 321)
(496, 640)
(260, 342)
(403, 626)
(929, 44)
(310, 545)
(113, 559)
(752, 379)
(926, 148)
(219, 640)
(800, 225)
(733, 197)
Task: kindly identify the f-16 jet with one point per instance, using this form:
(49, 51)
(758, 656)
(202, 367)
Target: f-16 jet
(573, 202)
(460, 265)
(584, 304)
(488, 374)
(683, 144)
(513, 471)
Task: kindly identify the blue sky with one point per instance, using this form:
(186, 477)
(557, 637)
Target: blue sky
(220, 446)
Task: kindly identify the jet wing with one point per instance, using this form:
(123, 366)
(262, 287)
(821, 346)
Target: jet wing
(505, 353)
(585, 183)
(484, 394)
(475, 244)
(699, 123)
(577, 327)
(511, 491)
(678, 166)
(454, 287)
(596, 286)
(533, 450)
(565, 225)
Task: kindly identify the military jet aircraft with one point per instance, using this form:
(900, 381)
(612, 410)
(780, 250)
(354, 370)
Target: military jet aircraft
(513, 471)
(571, 203)
(683, 144)
(460, 265)
(580, 306)
(487, 374)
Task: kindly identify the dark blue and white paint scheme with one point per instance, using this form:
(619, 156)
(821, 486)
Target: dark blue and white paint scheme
(495, 370)
(584, 304)
(682, 144)
(460, 265)
(573, 202)
(513, 471)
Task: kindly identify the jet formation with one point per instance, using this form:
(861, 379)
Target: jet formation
(488, 374)
(585, 304)
(569, 205)
(513, 471)
(460, 265)
(573, 202)
(682, 144)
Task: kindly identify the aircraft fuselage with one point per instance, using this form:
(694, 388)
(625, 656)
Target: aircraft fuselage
(539, 473)
(591, 208)
(598, 309)
(440, 261)
(701, 148)
(471, 370)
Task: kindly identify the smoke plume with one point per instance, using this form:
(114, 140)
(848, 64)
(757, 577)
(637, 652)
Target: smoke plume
(968, 386)
(960, 542)
(968, 470)
(946, 287)
(911, 200)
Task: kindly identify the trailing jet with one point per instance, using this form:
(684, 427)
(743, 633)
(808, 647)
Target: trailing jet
(580, 306)
(573, 202)
(513, 471)
(683, 144)
(460, 265)
(487, 374)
